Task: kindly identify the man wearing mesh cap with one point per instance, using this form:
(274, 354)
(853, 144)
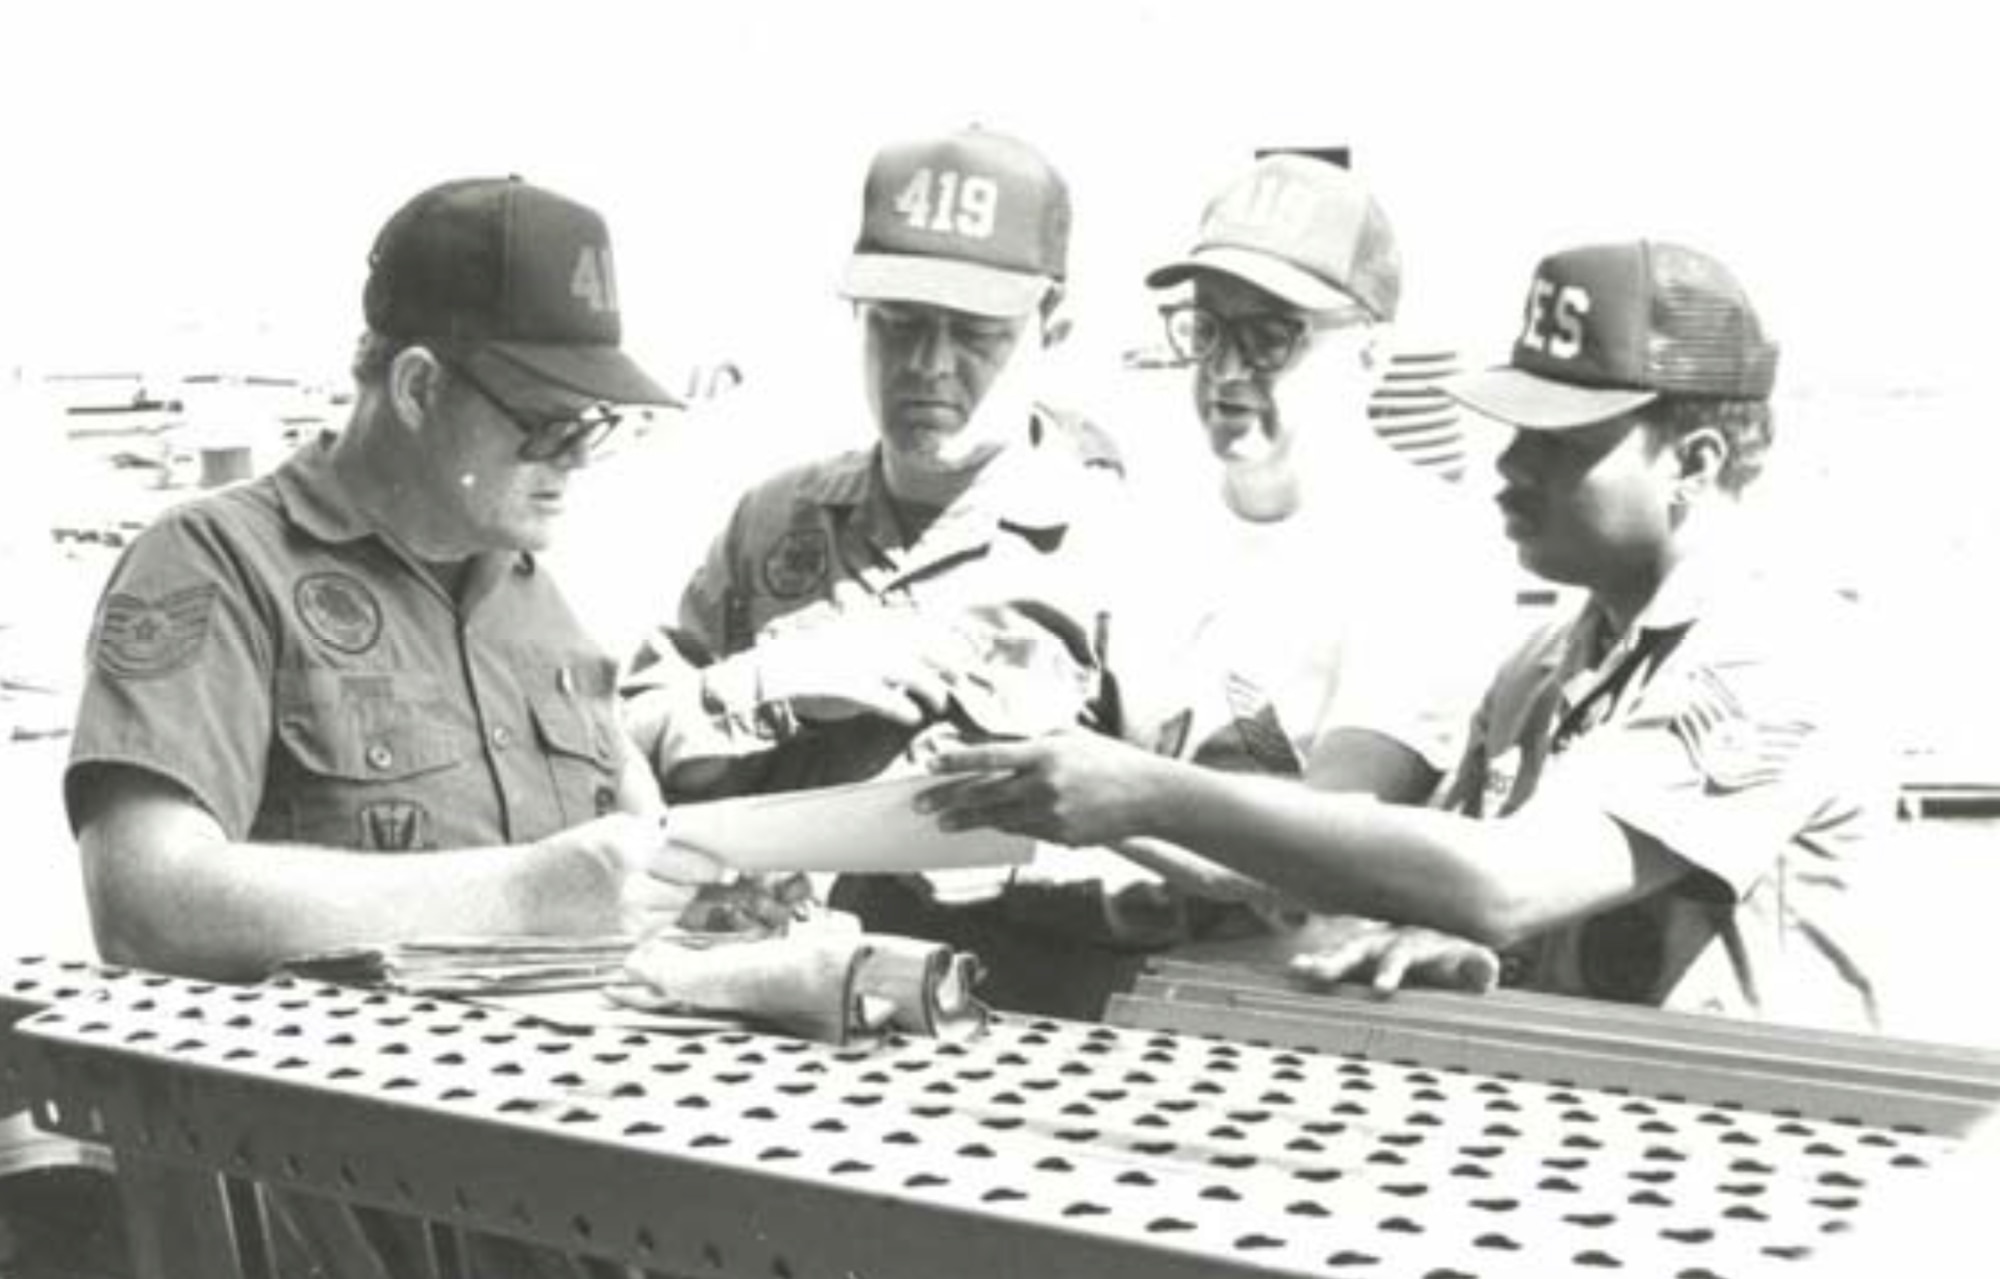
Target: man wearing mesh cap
(1668, 798)
(941, 581)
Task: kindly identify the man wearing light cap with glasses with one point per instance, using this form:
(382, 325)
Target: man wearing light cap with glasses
(1333, 617)
(1667, 799)
(942, 579)
(360, 650)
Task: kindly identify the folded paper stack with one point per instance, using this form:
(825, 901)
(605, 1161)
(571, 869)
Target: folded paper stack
(472, 966)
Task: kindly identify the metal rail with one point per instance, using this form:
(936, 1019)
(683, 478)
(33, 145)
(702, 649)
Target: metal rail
(1046, 1148)
(1677, 1056)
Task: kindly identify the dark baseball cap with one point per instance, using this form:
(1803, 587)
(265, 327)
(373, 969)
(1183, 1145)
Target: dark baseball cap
(974, 221)
(1610, 328)
(1300, 229)
(518, 281)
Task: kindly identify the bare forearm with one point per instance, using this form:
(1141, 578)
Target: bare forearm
(1496, 881)
(233, 911)
(1195, 874)
(1349, 853)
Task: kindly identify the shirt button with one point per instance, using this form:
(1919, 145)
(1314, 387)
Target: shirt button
(607, 800)
(503, 737)
(380, 757)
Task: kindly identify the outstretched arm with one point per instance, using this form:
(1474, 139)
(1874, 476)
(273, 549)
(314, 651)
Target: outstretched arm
(1495, 881)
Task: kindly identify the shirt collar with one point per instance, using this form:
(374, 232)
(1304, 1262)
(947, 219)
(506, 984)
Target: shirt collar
(316, 498)
(1026, 485)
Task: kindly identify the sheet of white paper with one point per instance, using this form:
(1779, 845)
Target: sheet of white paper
(868, 826)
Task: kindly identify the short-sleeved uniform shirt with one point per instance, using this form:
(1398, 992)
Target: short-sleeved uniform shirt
(1729, 725)
(827, 536)
(305, 681)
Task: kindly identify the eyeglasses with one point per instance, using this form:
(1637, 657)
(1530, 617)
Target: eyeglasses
(550, 438)
(1267, 341)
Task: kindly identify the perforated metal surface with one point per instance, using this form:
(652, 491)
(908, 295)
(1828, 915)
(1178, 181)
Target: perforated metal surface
(1087, 1149)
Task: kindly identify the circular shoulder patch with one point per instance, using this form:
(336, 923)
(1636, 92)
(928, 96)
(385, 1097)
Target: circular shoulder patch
(339, 610)
(798, 564)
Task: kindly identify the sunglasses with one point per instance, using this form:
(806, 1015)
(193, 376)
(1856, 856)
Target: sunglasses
(548, 438)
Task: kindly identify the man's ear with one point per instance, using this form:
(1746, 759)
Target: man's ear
(416, 380)
(1702, 453)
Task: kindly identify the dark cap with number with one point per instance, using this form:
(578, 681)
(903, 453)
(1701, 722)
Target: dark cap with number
(1610, 328)
(519, 279)
(974, 221)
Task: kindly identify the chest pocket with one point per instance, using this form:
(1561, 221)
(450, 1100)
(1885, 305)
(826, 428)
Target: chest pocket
(579, 740)
(367, 761)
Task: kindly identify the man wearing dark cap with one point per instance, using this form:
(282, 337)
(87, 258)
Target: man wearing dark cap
(360, 652)
(1667, 799)
(942, 579)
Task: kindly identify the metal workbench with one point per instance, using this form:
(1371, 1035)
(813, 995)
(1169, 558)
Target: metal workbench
(1226, 1125)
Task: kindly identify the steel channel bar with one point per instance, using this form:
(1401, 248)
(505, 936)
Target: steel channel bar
(1605, 1017)
(1650, 1075)
(1812, 1078)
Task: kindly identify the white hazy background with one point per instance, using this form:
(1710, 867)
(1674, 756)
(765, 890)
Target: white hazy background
(194, 186)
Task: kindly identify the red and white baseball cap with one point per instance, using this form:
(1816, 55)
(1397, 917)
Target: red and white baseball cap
(1302, 229)
(974, 221)
(520, 280)
(1610, 328)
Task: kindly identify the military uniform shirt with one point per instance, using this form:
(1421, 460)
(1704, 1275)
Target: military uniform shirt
(298, 675)
(1726, 725)
(826, 536)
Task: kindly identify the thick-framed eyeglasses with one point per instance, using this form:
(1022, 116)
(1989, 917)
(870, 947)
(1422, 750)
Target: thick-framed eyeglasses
(1267, 340)
(549, 438)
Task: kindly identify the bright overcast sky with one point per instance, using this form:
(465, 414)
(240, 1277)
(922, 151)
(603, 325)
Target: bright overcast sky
(197, 172)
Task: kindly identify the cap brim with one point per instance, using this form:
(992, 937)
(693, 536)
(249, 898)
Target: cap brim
(1536, 403)
(546, 375)
(945, 282)
(1273, 275)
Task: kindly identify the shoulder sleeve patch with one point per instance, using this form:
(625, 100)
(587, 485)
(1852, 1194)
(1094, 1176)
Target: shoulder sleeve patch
(1733, 746)
(140, 638)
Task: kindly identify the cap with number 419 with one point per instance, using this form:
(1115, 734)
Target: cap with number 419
(974, 221)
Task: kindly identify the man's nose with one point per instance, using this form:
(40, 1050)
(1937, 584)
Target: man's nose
(1225, 359)
(931, 354)
(1517, 461)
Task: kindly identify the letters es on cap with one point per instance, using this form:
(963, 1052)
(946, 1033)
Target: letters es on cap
(1607, 329)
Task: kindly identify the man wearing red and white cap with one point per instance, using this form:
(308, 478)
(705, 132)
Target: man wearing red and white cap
(944, 579)
(1669, 798)
(360, 650)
